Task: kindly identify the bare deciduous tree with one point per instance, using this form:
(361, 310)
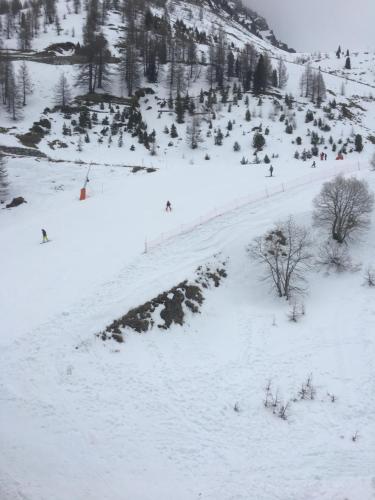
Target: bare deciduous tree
(285, 253)
(24, 81)
(3, 179)
(343, 206)
(193, 133)
(282, 74)
(63, 93)
(14, 100)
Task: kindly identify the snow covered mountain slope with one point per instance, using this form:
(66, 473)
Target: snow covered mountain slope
(179, 413)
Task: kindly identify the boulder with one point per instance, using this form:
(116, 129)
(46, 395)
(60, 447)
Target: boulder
(16, 201)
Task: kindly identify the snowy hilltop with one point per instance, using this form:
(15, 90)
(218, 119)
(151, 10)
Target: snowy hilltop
(187, 234)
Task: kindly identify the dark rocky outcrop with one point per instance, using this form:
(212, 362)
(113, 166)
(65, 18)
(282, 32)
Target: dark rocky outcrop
(169, 307)
(16, 202)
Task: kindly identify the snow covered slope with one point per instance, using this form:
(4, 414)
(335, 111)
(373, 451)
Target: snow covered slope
(179, 413)
(154, 417)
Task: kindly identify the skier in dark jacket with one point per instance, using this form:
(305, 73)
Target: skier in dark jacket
(168, 206)
(271, 170)
(45, 237)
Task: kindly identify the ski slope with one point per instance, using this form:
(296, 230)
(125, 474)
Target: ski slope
(153, 418)
(179, 414)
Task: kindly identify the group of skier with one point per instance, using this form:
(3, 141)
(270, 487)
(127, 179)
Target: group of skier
(323, 157)
(168, 205)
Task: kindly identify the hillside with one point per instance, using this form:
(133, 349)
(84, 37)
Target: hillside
(140, 347)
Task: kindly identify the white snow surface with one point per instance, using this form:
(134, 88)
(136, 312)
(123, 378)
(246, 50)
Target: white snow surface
(153, 418)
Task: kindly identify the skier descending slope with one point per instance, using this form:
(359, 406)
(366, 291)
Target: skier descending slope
(45, 237)
(168, 206)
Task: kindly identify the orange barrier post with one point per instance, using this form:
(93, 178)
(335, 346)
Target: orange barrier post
(82, 195)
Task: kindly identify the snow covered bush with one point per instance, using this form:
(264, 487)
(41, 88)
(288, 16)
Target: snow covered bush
(296, 312)
(343, 206)
(307, 390)
(272, 402)
(334, 256)
(285, 254)
(370, 276)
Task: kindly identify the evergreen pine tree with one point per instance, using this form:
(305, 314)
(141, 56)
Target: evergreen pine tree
(275, 79)
(358, 143)
(219, 138)
(174, 132)
(179, 109)
(262, 75)
(258, 141)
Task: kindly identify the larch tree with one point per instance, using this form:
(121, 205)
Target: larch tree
(193, 133)
(93, 72)
(14, 98)
(320, 92)
(63, 93)
(129, 68)
(282, 74)
(263, 74)
(3, 178)
(24, 82)
(24, 33)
